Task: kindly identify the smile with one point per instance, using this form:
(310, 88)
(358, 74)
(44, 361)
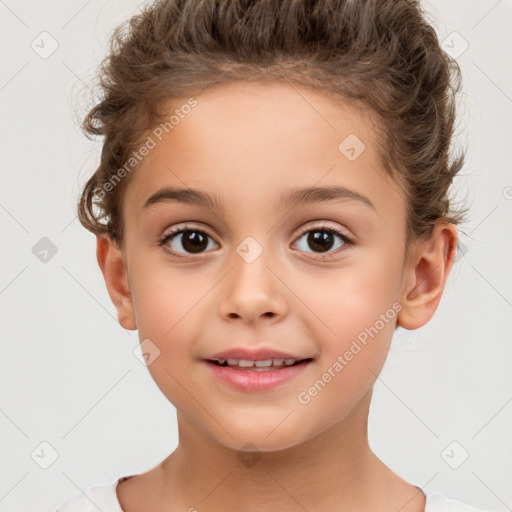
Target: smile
(257, 365)
(256, 375)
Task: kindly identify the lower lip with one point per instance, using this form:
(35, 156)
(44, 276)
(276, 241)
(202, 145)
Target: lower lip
(254, 380)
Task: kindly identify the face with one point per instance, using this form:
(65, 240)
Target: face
(321, 279)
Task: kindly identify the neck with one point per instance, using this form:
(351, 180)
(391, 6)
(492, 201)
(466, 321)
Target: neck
(335, 470)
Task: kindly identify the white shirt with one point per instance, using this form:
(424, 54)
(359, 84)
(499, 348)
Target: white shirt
(104, 498)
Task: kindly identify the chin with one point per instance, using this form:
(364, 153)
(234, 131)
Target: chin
(258, 439)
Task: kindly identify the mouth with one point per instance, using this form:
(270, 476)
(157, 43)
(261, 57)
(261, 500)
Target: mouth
(265, 365)
(256, 375)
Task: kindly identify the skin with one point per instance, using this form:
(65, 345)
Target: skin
(248, 143)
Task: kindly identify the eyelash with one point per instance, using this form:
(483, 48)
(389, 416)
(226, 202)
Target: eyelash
(322, 256)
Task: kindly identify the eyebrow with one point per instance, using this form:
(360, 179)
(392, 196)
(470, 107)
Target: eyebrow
(291, 198)
(308, 195)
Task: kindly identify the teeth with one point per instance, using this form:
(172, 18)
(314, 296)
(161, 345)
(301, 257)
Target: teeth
(246, 363)
(267, 362)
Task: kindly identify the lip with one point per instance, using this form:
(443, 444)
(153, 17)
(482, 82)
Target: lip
(255, 354)
(254, 380)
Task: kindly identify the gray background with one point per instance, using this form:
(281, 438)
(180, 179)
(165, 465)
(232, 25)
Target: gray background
(69, 376)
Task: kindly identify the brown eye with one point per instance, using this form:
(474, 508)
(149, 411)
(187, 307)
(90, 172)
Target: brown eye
(322, 239)
(193, 241)
(186, 240)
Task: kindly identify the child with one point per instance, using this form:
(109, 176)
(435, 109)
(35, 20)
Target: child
(307, 147)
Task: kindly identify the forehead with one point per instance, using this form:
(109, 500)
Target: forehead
(254, 140)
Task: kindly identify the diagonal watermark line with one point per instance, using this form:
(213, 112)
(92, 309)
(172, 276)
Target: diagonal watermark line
(96, 404)
(506, 504)
(75, 15)
(2, 2)
(198, 403)
(290, 84)
(286, 491)
(279, 423)
(492, 211)
(420, 489)
(101, 510)
(492, 418)
(5, 495)
(80, 79)
(199, 300)
(14, 423)
(492, 81)
(14, 218)
(14, 76)
(301, 300)
(403, 402)
(221, 482)
(485, 15)
(493, 287)
(68, 224)
(13, 279)
(397, 189)
(286, 213)
(427, 483)
(93, 297)
(188, 186)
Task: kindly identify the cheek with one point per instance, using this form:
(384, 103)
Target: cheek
(355, 317)
(172, 309)
(347, 368)
(167, 315)
(165, 299)
(342, 304)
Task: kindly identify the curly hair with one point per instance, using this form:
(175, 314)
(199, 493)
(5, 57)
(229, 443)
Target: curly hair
(383, 54)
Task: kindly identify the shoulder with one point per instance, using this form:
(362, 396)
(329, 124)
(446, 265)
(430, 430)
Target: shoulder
(437, 502)
(101, 497)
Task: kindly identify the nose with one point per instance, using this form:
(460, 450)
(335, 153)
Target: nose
(252, 290)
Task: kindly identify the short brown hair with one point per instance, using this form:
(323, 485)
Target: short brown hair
(380, 53)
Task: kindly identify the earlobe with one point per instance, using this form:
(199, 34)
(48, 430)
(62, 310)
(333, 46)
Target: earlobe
(113, 266)
(425, 276)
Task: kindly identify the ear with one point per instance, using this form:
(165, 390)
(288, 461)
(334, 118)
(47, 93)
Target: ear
(425, 276)
(113, 266)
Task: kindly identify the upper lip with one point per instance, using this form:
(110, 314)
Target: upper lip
(254, 354)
